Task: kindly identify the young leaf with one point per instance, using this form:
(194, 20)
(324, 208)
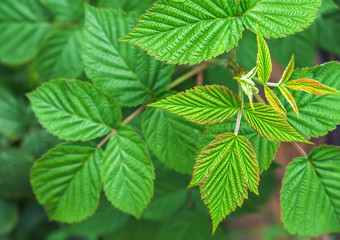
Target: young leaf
(318, 114)
(270, 124)
(203, 105)
(311, 86)
(24, 22)
(225, 170)
(274, 101)
(289, 97)
(288, 72)
(191, 31)
(264, 63)
(65, 10)
(128, 172)
(73, 110)
(123, 70)
(67, 181)
(310, 197)
(265, 150)
(171, 138)
(59, 56)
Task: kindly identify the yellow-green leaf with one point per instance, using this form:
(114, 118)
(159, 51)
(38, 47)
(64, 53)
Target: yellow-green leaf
(289, 97)
(288, 71)
(312, 86)
(264, 63)
(274, 101)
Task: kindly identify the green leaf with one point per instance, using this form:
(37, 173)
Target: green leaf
(270, 124)
(128, 172)
(318, 114)
(279, 18)
(265, 150)
(9, 216)
(23, 26)
(59, 56)
(274, 101)
(171, 138)
(66, 10)
(106, 220)
(170, 195)
(310, 197)
(225, 170)
(73, 110)
(126, 5)
(288, 71)
(15, 167)
(67, 181)
(264, 63)
(312, 86)
(204, 105)
(123, 70)
(191, 31)
(188, 225)
(290, 99)
(38, 141)
(14, 114)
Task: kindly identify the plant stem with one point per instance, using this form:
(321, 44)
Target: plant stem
(239, 115)
(271, 84)
(188, 75)
(299, 148)
(113, 132)
(295, 144)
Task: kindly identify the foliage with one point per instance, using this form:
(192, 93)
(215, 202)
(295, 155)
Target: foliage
(76, 76)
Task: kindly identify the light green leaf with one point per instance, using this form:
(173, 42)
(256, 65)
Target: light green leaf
(74, 110)
(9, 216)
(170, 195)
(265, 150)
(188, 225)
(274, 101)
(67, 181)
(106, 220)
(225, 170)
(312, 86)
(15, 168)
(14, 114)
(310, 197)
(270, 124)
(279, 18)
(288, 71)
(191, 31)
(66, 10)
(318, 114)
(59, 56)
(204, 105)
(123, 70)
(171, 138)
(23, 26)
(264, 63)
(128, 172)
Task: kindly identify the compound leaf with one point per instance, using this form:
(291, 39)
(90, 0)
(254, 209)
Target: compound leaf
(128, 172)
(265, 150)
(171, 138)
(73, 110)
(123, 70)
(191, 31)
(270, 124)
(312, 86)
(23, 26)
(273, 100)
(59, 56)
(67, 181)
(204, 105)
(224, 170)
(310, 196)
(264, 63)
(318, 114)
